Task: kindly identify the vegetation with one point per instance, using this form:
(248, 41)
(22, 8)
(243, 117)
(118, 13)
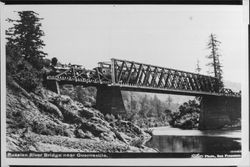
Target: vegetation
(147, 111)
(198, 68)
(187, 117)
(84, 95)
(214, 56)
(24, 55)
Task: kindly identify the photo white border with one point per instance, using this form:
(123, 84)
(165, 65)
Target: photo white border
(243, 161)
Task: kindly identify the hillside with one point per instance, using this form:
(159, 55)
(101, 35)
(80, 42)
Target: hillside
(44, 121)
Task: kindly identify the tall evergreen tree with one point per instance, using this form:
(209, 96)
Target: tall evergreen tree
(198, 68)
(25, 37)
(169, 101)
(24, 55)
(214, 56)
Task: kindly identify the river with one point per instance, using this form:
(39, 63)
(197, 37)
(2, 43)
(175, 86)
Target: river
(174, 140)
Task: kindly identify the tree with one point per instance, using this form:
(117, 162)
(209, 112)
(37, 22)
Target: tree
(198, 68)
(215, 63)
(145, 106)
(169, 101)
(24, 58)
(188, 115)
(54, 61)
(25, 38)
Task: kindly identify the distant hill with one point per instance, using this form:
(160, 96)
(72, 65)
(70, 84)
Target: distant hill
(179, 99)
(235, 86)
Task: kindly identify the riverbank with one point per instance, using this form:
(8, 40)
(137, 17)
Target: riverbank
(44, 121)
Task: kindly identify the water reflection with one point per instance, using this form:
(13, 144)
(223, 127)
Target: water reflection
(177, 143)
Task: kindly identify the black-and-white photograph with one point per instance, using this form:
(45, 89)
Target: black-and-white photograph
(147, 81)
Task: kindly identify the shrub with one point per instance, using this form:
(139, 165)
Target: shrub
(188, 115)
(22, 71)
(29, 80)
(41, 128)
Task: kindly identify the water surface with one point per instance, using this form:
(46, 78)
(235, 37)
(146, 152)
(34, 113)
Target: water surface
(167, 139)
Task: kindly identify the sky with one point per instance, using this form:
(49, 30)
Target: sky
(163, 35)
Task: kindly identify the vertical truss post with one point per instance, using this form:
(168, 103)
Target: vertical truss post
(113, 79)
(74, 73)
(155, 73)
(145, 80)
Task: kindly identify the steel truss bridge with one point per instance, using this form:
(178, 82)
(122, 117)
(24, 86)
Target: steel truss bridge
(134, 76)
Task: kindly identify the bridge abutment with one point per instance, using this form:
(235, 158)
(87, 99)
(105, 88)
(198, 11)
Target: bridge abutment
(216, 112)
(109, 100)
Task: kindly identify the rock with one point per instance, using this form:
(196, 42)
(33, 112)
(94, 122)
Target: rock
(86, 113)
(108, 136)
(149, 131)
(89, 135)
(95, 129)
(68, 133)
(73, 110)
(13, 144)
(45, 121)
(128, 128)
(80, 133)
(142, 149)
(100, 121)
(86, 135)
(119, 136)
(125, 137)
(137, 142)
(18, 89)
(48, 107)
(22, 112)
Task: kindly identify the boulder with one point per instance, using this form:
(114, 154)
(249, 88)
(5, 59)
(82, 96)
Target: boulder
(95, 129)
(97, 120)
(48, 107)
(119, 136)
(85, 135)
(87, 113)
(108, 136)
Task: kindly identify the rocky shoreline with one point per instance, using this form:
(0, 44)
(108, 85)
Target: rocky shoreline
(43, 121)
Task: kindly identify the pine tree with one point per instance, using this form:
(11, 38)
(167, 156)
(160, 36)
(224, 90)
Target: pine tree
(214, 56)
(25, 37)
(198, 68)
(169, 101)
(24, 58)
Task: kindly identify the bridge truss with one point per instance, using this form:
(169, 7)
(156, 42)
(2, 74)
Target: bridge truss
(130, 75)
